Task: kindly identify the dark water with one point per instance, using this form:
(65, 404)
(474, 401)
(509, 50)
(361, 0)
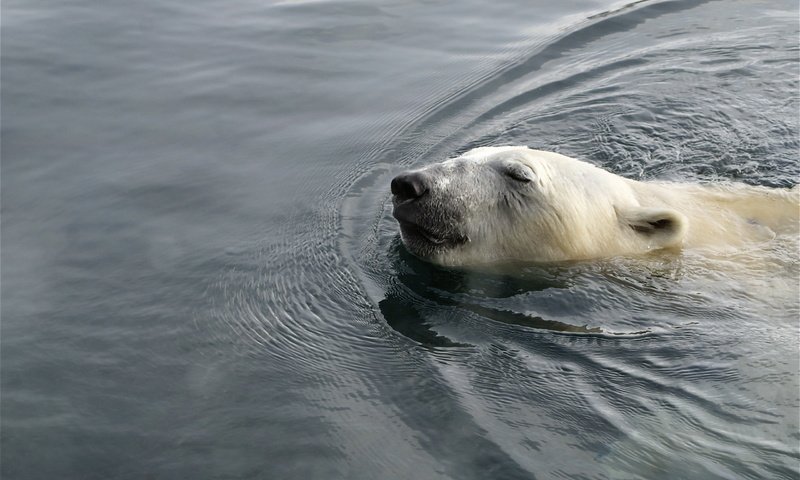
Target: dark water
(201, 278)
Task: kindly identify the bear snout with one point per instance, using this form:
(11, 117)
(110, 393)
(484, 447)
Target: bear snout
(409, 186)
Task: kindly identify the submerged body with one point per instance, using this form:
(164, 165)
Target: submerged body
(499, 204)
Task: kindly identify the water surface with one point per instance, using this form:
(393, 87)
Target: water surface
(201, 277)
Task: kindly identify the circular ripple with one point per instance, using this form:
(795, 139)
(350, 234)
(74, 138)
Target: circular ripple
(642, 366)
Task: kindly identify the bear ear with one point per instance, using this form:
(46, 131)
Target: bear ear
(662, 226)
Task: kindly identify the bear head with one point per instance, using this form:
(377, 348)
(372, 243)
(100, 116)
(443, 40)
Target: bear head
(497, 204)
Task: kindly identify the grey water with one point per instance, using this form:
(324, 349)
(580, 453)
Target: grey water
(201, 277)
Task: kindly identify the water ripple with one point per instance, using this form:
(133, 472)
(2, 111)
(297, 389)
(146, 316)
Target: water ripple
(607, 357)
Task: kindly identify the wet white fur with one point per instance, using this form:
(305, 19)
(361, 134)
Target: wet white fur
(573, 210)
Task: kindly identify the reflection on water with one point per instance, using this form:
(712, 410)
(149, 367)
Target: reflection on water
(463, 289)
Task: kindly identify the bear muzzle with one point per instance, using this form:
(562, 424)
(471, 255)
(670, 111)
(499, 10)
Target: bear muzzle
(420, 216)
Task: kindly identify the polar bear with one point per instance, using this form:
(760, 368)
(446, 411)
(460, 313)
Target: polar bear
(499, 204)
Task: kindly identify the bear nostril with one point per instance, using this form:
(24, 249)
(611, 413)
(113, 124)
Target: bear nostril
(409, 186)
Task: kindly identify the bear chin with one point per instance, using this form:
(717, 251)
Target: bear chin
(424, 242)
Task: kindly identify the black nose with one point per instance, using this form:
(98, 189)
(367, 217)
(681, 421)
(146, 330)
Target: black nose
(408, 186)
